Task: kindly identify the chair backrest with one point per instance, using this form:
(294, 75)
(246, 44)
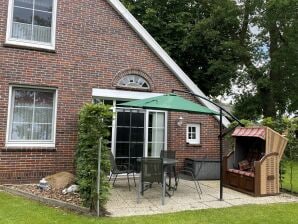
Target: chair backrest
(168, 154)
(151, 169)
(112, 161)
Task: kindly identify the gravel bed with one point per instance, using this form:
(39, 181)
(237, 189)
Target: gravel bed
(72, 198)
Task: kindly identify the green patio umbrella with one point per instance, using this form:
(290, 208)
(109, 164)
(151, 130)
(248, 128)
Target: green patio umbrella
(169, 102)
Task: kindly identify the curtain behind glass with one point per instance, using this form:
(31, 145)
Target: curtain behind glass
(32, 22)
(32, 117)
(156, 133)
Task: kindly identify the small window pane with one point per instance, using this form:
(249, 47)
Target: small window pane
(42, 18)
(42, 132)
(42, 34)
(137, 120)
(44, 5)
(137, 149)
(21, 15)
(44, 99)
(21, 131)
(156, 135)
(123, 119)
(122, 150)
(123, 134)
(24, 3)
(137, 135)
(22, 114)
(21, 31)
(24, 98)
(43, 115)
(193, 135)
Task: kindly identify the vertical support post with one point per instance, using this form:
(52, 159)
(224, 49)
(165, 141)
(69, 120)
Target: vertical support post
(221, 154)
(98, 175)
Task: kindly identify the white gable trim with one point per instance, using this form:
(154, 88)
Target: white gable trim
(164, 57)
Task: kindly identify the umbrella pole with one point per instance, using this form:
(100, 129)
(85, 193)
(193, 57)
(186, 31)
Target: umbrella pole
(221, 153)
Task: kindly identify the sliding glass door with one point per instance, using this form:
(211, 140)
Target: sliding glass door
(130, 136)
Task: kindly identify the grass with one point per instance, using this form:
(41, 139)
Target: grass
(14, 209)
(286, 183)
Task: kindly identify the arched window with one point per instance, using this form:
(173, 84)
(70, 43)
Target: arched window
(133, 81)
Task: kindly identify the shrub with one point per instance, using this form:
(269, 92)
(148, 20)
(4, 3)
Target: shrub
(93, 125)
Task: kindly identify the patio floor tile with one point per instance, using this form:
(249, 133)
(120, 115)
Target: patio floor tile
(123, 202)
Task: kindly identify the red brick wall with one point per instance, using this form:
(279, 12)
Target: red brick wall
(93, 44)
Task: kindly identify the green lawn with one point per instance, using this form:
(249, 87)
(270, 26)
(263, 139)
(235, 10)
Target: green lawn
(286, 183)
(18, 210)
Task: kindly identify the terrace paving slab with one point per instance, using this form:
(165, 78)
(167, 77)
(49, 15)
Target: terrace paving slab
(123, 202)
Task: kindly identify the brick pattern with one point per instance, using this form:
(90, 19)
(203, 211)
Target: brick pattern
(93, 44)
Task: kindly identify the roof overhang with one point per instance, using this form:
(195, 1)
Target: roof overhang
(258, 132)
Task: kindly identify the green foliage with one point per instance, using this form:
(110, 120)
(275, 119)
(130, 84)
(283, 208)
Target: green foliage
(213, 43)
(270, 63)
(202, 37)
(93, 125)
(248, 106)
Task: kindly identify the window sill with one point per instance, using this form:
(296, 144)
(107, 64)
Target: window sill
(29, 46)
(28, 149)
(193, 145)
(22, 147)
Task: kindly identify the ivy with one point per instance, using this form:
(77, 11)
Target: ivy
(93, 125)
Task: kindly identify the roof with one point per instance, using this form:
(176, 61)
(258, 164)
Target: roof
(163, 55)
(259, 132)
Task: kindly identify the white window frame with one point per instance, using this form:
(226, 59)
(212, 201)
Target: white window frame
(133, 76)
(29, 43)
(30, 143)
(197, 140)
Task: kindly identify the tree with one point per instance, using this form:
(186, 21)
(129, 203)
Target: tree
(214, 44)
(201, 36)
(271, 59)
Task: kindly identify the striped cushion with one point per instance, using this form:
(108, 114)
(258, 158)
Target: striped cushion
(245, 173)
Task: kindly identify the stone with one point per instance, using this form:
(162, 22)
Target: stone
(60, 180)
(73, 188)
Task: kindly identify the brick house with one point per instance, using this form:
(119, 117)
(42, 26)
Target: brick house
(56, 56)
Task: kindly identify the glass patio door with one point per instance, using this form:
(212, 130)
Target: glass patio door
(156, 133)
(130, 138)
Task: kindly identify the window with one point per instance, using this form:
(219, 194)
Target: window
(32, 23)
(32, 117)
(133, 81)
(193, 134)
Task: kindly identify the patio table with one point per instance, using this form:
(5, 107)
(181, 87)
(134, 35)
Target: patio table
(166, 163)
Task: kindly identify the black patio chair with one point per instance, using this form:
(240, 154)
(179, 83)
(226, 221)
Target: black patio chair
(120, 169)
(188, 173)
(151, 172)
(171, 170)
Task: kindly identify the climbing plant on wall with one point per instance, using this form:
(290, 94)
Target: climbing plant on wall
(93, 125)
